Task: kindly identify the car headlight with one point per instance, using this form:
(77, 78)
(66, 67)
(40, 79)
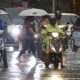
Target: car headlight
(12, 28)
(15, 31)
(11, 48)
(55, 34)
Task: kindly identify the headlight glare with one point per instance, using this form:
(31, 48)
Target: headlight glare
(53, 49)
(54, 34)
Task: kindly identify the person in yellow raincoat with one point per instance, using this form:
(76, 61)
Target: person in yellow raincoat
(51, 26)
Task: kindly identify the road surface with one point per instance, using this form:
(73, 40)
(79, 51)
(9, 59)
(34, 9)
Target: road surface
(31, 69)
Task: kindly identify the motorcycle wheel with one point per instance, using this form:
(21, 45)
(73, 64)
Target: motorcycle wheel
(57, 59)
(46, 60)
(46, 65)
(56, 62)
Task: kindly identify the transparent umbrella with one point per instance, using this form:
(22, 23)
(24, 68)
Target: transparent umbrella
(33, 12)
(36, 13)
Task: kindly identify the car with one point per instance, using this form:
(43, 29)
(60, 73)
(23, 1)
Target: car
(67, 19)
(5, 16)
(5, 20)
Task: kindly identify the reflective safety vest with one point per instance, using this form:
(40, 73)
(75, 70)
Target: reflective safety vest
(49, 28)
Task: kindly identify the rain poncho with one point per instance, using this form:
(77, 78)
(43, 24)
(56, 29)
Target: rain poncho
(45, 37)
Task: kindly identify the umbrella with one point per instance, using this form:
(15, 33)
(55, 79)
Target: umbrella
(33, 12)
(3, 12)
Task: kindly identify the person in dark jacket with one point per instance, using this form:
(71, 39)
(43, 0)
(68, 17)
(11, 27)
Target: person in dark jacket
(27, 37)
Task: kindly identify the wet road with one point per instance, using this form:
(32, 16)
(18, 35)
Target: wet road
(31, 69)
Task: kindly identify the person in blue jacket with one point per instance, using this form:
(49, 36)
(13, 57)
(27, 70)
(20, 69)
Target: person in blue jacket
(3, 28)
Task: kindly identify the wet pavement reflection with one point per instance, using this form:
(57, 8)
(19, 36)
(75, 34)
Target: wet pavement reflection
(17, 70)
(30, 68)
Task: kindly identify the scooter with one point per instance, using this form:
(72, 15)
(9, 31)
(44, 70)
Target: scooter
(66, 38)
(55, 50)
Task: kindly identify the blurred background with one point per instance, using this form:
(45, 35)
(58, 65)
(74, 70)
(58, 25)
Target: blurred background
(71, 6)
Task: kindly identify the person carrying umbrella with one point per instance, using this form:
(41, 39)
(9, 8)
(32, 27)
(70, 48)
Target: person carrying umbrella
(26, 37)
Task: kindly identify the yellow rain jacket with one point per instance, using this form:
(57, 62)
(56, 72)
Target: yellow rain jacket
(46, 38)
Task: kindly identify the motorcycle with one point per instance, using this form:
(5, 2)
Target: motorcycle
(55, 50)
(75, 40)
(66, 38)
(3, 53)
(67, 30)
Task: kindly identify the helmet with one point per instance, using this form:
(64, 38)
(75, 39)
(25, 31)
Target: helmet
(45, 17)
(29, 18)
(52, 20)
(58, 14)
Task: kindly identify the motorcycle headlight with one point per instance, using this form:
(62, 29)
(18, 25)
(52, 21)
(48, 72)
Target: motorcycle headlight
(36, 35)
(53, 49)
(60, 49)
(55, 34)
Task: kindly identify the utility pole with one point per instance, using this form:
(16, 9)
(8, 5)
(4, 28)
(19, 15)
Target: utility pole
(58, 4)
(53, 5)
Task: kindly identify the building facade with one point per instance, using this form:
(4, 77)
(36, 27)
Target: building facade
(72, 6)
